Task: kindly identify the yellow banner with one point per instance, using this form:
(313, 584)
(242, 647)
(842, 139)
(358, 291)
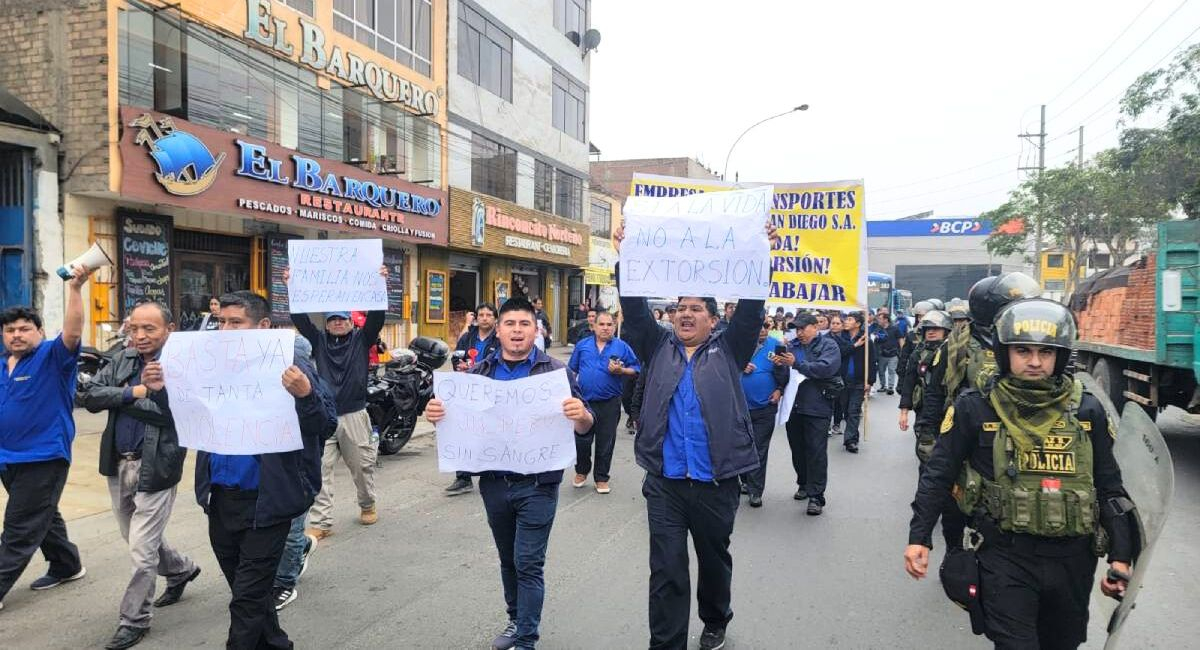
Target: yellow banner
(598, 276)
(821, 260)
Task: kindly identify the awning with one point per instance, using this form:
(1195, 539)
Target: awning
(14, 111)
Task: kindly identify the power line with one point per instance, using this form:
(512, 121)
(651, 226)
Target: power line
(1096, 60)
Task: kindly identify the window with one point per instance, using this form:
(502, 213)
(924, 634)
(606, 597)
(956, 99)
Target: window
(1055, 285)
(570, 16)
(569, 107)
(1101, 261)
(401, 30)
(543, 186)
(568, 196)
(303, 6)
(1054, 261)
(484, 53)
(493, 168)
(601, 218)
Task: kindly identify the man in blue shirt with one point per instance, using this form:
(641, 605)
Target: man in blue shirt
(763, 381)
(37, 398)
(251, 500)
(694, 440)
(477, 343)
(521, 507)
(601, 361)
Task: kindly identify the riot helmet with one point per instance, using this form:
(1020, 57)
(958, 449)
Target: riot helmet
(958, 309)
(1034, 321)
(992, 293)
(921, 308)
(936, 318)
(937, 303)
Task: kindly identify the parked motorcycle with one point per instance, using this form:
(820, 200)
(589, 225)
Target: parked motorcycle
(397, 396)
(91, 360)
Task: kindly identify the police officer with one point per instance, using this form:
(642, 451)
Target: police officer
(933, 329)
(912, 338)
(1041, 485)
(960, 313)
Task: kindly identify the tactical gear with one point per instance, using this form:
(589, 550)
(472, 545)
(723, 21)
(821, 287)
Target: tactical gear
(937, 304)
(958, 309)
(968, 364)
(938, 319)
(921, 308)
(926, 435)
(1048, 489)
(1035, 321)
(992, 293)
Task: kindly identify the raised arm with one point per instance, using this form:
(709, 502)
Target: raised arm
(306, 328)
(72, 330)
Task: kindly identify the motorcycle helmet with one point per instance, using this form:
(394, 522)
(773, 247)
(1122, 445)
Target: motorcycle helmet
(1034, 321)
(958, 309)
(937, 303)
(935, 318)
(431, 352)
(992, 293)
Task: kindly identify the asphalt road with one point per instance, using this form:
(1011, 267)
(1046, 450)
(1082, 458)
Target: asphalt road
(426, 575)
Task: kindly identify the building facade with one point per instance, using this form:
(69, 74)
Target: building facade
(614, 176)
(198, 136)
(518, 154)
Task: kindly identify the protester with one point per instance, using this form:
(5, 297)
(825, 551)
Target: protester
(819, 359)
(601, 361)
(479, 338)
(37, 428)
(692, 454)
(860, 364)
(886, 337)
(583, 328)
(763, 382)
(210, 321)
(251, 500)
(342, 354)
(299, 545)
(520, 508)
(837, 332)
(726, 316)
(141, 456)
(544, 322)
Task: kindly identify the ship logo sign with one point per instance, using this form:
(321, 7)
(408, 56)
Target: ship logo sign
(185, 165)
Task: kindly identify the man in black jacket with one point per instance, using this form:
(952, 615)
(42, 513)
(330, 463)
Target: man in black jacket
(819, 359)
(695, 439)
(859, 367)
(141, 456)
(886, 337)
(251, 500)
(342, 354)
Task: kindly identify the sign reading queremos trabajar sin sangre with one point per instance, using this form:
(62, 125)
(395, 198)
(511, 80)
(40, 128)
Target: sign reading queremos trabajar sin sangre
(171, 161)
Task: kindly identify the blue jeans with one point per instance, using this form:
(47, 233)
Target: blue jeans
(887, 372)
(521, 512)
(293, 555)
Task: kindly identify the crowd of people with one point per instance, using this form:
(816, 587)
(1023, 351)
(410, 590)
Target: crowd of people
(701, 387)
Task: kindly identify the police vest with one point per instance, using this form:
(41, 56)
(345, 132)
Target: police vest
(1047, 491)
(923, 357)
(981, 365)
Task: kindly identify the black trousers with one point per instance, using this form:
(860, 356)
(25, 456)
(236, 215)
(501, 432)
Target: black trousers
(808, 437)
(675, 508)
(32, 521)
(628, 387)
(249, 558)
(763, 422)
(604, 434)
(1034, 599)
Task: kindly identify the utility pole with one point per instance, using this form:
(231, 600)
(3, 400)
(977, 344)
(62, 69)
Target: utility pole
(1079, 151)
(1041, 166)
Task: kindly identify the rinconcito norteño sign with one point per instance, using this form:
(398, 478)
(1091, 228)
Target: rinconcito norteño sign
(270, 31)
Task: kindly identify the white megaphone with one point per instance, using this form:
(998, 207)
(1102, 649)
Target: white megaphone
(92, 259)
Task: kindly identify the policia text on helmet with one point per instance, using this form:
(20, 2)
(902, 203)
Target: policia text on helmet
(1029, 459)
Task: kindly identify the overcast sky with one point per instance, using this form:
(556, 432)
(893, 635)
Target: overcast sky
(901, 93)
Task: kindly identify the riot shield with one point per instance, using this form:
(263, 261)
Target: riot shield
(1149, 478)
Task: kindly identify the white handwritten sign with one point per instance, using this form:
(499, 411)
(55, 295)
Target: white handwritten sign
(336, 275)
(226, 391)
(710, 244)
(514, 426)
(788, 399)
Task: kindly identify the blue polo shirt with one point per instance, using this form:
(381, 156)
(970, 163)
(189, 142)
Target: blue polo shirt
(685, 448)
(130, 431)
(759, 384)
(502, 371)
(480, 344)
(591, 364)
(239, 472)
(36, 403)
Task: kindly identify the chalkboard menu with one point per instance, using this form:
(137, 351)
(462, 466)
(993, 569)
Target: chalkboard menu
(435, 296)
(144, 242)
(394, 261)
(277, 261)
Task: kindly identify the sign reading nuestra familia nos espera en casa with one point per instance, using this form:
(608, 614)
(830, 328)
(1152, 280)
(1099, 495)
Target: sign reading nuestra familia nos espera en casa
(170, 161)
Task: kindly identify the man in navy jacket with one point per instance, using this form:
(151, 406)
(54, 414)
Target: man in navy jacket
(694, 441)
(521, 507)
(251, 500)
(819, 359)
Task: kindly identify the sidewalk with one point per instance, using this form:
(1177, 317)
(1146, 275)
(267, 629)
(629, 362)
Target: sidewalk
(86, 492)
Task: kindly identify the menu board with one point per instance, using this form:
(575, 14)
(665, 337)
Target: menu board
(144, 242)
(277, 261)
(394, 261)
(435, 296)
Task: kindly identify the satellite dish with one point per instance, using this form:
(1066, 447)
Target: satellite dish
(573, 36)
(591, 39)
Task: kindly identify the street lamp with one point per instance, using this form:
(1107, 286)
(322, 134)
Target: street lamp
(725, 172)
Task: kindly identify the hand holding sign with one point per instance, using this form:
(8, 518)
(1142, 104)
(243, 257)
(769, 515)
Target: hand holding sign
(336, 275)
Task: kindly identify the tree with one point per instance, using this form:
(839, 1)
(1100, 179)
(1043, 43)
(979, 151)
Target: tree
(1007, 239)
